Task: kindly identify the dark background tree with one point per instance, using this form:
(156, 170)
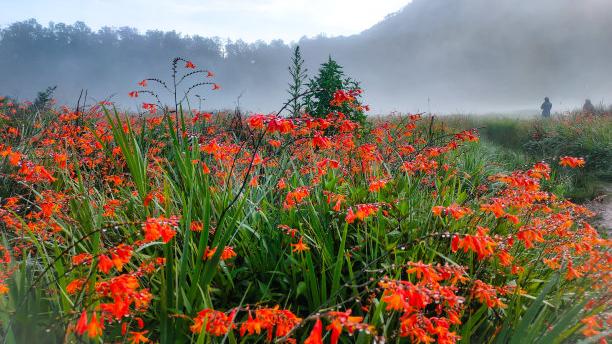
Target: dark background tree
(298, 73)
(330, 79)
(44, 98)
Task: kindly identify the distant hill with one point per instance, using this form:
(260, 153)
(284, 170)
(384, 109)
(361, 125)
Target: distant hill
(462, 55)
(481, 54)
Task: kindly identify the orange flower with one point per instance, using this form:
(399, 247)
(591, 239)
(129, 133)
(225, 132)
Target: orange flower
(82, 258)
(155, 228)
(321, 142)
(336, 329)
(251, 326)
(190, 65)
(196, 226)
(505, 258)
(540, 170)
(592, 326)
(315, 336)
(528, 236)
(74, 286)
(105, 264)
(496, 208)
(217, 323)
(377, 185)
(139, 337)
(343, 320)
(571, 162)
(149, 107)
(467, 135)
(121, 255)
(363, 211)
(295, 197)
(456, 211)
(143, 83)
(275, 143)
(300, 246)
(256, 121)
(341, 97)
(486, 294)
(110, 207)
(133, 94)
(481, 243)
(60, 160)
(228, 253)
(14, 158)
(95, 327)
(394, 301)
(571, 272)
(81, 325)
(205, 169)
(455, 243)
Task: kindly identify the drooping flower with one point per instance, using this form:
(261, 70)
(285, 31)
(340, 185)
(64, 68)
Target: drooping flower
(81, 325)
(251, 326)
(161, 227)
(217, 323)
(394, 301)
(138, 337)
(571, 162)
(228, 253)
(105, 263)
(295, 197)
(377, 185)
(315, 336)
(455, 210)
(486, 294)
(363, 211)
(592, 325)
(95, 327)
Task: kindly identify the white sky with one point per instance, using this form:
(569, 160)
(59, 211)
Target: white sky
(247, 19)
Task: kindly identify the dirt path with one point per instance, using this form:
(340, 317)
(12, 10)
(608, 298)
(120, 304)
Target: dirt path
(602, 205)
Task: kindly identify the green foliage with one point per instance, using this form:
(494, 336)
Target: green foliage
(330, 79)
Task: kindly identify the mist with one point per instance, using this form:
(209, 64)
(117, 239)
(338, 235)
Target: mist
(442, 56)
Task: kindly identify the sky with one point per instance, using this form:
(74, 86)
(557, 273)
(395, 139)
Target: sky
(249, 20)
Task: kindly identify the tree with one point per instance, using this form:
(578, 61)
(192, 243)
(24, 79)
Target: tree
(298, 81)
(44, 98)
(323, 87)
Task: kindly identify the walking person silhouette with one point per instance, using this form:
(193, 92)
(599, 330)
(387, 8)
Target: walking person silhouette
(588, 107)
(546, 106)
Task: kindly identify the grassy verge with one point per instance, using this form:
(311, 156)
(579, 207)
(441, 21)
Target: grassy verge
(519, 142)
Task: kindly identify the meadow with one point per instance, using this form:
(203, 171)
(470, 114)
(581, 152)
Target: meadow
(190, 226)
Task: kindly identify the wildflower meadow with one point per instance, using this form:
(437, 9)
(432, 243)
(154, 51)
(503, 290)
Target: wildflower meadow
(177, 225)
